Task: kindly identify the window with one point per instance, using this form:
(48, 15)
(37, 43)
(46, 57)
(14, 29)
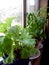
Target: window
(10, 8)
(16, 8)
(32, 6)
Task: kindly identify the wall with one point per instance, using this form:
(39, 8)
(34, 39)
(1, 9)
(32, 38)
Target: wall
(43, 3)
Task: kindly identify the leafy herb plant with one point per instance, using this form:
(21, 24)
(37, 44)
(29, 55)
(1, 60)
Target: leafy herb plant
(35, 24)
(15, 38)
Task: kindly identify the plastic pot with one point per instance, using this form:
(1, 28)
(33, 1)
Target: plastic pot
(1, 62)
(34, 57)
(23, 62)
(19, 62)
(7, 64)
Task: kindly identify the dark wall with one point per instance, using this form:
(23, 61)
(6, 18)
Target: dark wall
(45, 53)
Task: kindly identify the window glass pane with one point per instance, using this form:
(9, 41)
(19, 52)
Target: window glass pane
(10, 8)
(32, 5)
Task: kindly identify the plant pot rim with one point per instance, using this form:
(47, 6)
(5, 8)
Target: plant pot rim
(40, 46)
(35, 56)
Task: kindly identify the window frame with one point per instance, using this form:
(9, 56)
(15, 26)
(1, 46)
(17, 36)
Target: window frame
(24, 9)
(25, 12)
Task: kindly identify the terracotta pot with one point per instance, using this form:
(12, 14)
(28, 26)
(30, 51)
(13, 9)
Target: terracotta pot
(34, 57)
(39, 44)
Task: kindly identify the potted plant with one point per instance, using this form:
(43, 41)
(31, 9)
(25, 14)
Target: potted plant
(35, 26)
(4, 25)
(17, 45)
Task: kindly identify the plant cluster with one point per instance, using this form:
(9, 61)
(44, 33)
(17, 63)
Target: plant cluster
(35, 24)
(16, 41)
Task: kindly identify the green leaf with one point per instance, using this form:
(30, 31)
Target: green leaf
(4, 26)
(6, 45)
(30, 42)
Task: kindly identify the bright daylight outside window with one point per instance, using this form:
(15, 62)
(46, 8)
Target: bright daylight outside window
(10, 8)
(32, 6)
